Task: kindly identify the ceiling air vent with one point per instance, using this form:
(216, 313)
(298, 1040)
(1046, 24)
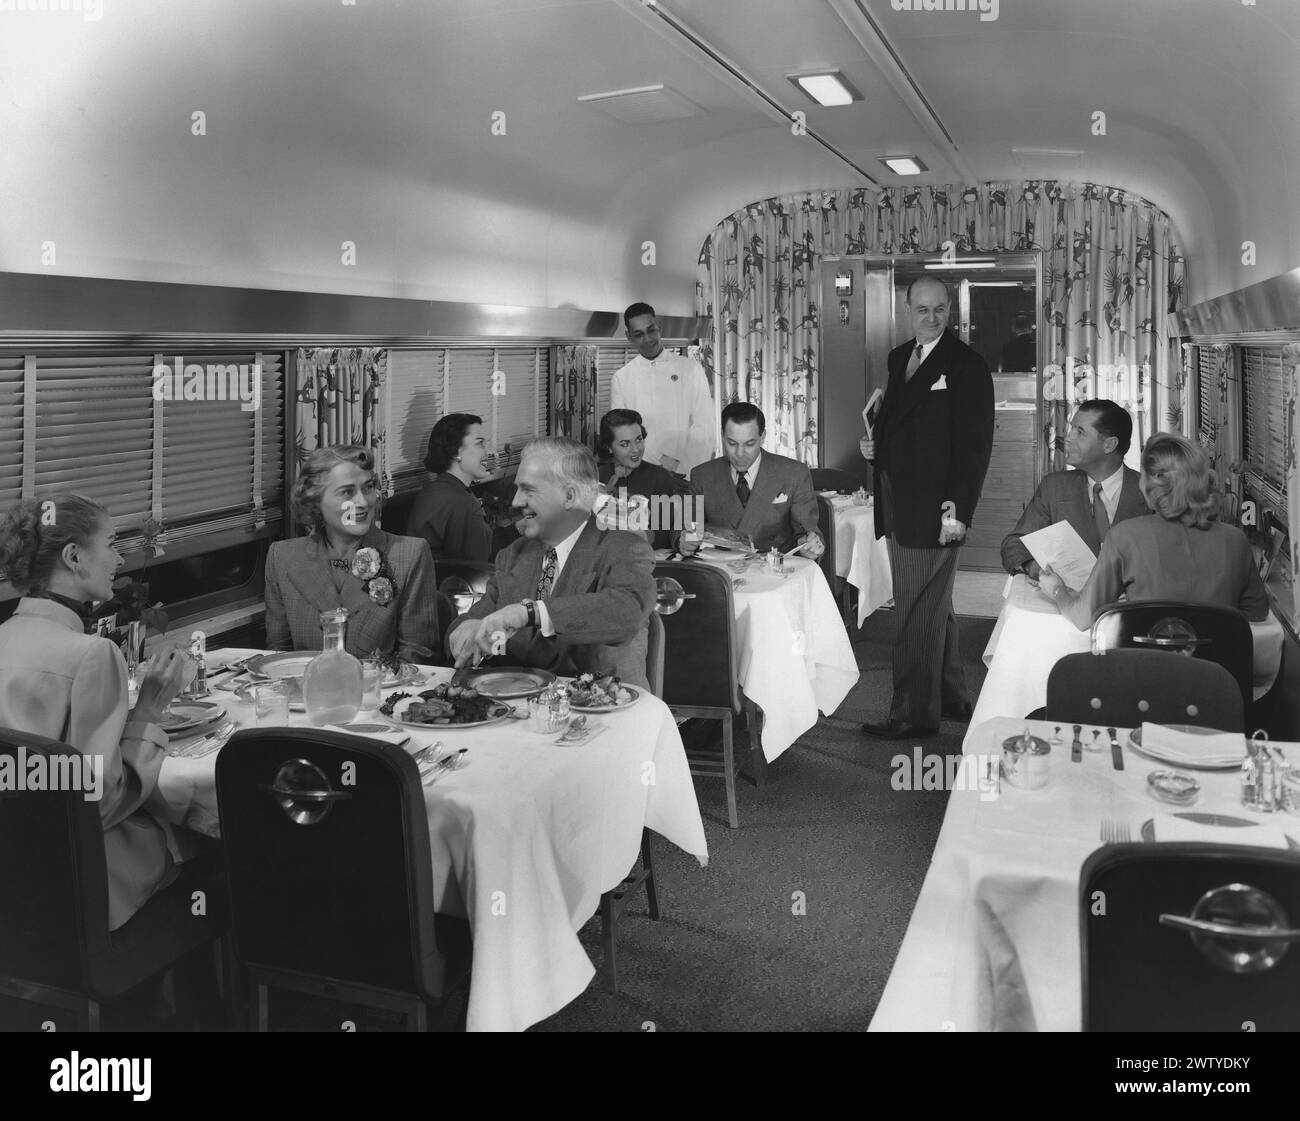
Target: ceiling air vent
(644, 105)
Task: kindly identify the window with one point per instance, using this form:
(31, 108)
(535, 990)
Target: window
(90, 422)
(1206, 387)
(425, 385)
(1263, 416)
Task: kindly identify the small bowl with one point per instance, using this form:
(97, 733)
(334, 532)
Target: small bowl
(1176, 787)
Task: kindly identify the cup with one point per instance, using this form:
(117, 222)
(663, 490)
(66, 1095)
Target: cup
(372, 674)
(271, 701)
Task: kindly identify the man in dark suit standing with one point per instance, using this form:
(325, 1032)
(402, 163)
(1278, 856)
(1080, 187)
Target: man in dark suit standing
(568, 597)
(931, 447)
(756, 494)
(1098, 493)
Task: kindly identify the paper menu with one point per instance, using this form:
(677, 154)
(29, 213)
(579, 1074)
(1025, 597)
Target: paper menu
(872, 412)
(1060, 546)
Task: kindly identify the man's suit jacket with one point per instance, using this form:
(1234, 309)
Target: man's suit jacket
(933, 439)
(1066, 496)
(58, 682)
(770, 522)
(300, 585)
(599, 606)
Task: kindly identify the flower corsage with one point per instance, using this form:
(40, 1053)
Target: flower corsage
(371, 566)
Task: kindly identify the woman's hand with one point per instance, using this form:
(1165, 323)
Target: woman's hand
(162, 678)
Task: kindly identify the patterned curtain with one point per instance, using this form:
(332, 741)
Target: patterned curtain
(341, 399)
(1290, 398)
(573, 394)
(1111, 273)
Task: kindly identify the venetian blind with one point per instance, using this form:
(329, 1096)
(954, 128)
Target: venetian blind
(415, 406)
(1207, 373)
(521, 406)
(1263, 424)
(11, 429)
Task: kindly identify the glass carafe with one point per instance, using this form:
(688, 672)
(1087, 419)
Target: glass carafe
(332, 685)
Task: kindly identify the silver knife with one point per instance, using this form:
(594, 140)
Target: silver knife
(1116, 752)
(1216, 819)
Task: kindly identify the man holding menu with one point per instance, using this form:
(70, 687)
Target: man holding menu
(930, 445)
(1099, 492)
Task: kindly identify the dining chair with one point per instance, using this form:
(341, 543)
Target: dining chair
(1127, 687)
(475, 574)
(832, 478)
(654, 654)
(701, 678)
(1206, 631)
(326, 839)
(1190, 937)
(446, 612)
(56, 949)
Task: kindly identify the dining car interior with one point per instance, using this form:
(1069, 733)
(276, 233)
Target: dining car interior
(891, 404)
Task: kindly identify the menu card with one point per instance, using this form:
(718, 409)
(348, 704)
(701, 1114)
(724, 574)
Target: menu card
(1060, 546)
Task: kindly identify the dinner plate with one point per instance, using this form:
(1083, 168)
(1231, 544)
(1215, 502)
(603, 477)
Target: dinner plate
(184, 716)
(244, 690)
(1214, 764)
(409, 674)
(507, 684)
(499, 712)
(287, 663)
(636, 696)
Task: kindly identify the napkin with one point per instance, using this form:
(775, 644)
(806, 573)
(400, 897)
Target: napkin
(396, 737)
(1268, 834)
(1192, 747)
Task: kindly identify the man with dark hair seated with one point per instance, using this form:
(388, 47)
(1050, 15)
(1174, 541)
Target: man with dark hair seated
(1098, 493)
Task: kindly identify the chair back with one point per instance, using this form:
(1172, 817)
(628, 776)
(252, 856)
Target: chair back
(1209, 631)
(1127, 687)
(1142, 972)
(461, 577)
(826, 527)
(446, 613)
(326, 842)
(700, 639)
(832, 478)
(53, 871)
(654, 654)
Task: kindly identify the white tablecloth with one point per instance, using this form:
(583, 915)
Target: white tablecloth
(794, 654)
(993, 943)
(861, 557)
(525, 838)
(1031, 636)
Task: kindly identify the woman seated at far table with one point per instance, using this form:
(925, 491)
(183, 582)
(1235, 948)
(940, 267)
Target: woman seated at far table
(385, 582)
(59, 682)
(1183, 554)
(622, 440)
(445, 512)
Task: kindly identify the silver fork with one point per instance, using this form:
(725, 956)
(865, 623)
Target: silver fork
(1115, 832)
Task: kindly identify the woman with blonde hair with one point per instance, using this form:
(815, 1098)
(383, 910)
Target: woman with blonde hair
(386, 582)
(59, 682)
(1180, 553)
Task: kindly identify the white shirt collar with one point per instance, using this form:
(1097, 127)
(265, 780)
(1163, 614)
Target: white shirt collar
(751, 476)
(565, 547)
(927, 347)
(1110, 488)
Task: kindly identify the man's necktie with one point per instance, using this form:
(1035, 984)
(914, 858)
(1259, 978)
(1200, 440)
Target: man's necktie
(913, 363)
(742, 489)
(1099, 512)
(546, 581)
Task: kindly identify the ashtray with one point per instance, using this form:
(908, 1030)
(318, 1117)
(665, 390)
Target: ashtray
(1175, 787)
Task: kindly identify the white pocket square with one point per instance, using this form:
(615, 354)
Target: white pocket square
(942, 383)
(782, 497)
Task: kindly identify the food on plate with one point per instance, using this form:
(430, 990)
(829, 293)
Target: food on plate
(443, 704)
(590, 691)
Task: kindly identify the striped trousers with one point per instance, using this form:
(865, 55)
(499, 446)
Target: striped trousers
(927, 661)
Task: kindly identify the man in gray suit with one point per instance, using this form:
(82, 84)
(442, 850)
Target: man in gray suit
(1099, 492)
(752, 493)
(569, 597)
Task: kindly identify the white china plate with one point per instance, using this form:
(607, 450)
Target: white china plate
(184, 716)
(1135, 742)
(636, 696)
(499, 712)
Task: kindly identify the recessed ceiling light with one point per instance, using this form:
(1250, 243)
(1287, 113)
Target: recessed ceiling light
(826, 89)
(904, 165)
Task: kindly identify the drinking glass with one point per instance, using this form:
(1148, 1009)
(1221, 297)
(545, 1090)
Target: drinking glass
(372, 674)
(1289, 789)
(271, 700)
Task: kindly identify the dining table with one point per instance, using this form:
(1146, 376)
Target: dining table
(1031, 636)
(993, 942)
(861, 557)
(794, 657)
(525, 836)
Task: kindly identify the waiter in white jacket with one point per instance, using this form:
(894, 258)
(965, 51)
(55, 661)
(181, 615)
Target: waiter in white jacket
(670, 392)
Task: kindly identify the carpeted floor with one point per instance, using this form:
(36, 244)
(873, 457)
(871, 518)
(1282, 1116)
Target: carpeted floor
(795, 923)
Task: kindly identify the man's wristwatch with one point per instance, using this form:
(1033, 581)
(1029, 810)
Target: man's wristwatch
(531, 604)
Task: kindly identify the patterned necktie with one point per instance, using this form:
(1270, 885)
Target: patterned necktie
(913, 363)
(1099, 512)
(547, 579)
(742, 488)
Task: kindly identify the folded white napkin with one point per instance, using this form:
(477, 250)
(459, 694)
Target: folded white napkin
(1214, 747)
(1268, 833)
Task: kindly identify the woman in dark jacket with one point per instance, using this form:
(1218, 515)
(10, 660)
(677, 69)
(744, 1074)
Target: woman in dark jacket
(622, 442)
(445, 512)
